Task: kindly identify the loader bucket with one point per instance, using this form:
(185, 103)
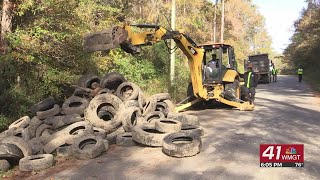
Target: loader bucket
(104, 40)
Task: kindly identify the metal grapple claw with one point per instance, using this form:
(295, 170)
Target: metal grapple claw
(104, 40)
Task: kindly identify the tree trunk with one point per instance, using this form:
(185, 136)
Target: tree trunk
(6, 21)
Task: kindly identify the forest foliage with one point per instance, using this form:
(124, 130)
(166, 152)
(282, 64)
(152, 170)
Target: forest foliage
(304, 49)
(45, 54)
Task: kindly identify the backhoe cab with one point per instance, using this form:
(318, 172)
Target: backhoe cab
(212, 79)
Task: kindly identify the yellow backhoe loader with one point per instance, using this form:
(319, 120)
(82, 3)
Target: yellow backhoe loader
(212, 79)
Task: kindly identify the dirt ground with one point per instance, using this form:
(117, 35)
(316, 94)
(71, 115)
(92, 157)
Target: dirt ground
(286, 112)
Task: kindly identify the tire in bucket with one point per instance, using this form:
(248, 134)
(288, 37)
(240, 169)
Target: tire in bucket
(181, 144)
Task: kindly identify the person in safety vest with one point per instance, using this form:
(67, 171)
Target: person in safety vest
(274, 74)
(250, 83)
(300, 73)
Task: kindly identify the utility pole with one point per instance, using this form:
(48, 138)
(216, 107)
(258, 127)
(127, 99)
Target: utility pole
(215, 21)
(222, 21)
(172, 54)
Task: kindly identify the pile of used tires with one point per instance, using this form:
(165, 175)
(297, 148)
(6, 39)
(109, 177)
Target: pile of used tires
(101, 111)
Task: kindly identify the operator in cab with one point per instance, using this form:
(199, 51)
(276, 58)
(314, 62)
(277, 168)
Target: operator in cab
(211, 71)
(250, 83)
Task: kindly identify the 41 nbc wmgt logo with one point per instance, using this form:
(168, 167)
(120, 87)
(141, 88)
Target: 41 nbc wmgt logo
(281, 155)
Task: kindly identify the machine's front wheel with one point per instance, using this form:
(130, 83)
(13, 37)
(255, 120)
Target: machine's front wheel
(232, 90)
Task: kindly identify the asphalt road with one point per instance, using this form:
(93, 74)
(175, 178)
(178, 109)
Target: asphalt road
(286, 112)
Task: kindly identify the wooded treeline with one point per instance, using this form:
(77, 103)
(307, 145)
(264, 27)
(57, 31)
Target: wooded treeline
(304, 49)
(42, 53)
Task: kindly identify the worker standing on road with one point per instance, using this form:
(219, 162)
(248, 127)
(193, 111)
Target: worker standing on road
(250, 83)
(300, 73)
(274, 74)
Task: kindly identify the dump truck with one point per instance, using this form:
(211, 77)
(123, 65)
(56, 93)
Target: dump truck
(261, 65)
(222, 86)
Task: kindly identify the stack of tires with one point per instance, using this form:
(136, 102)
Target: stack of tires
(101, 111)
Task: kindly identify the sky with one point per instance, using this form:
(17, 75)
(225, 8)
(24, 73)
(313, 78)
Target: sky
(280, 16)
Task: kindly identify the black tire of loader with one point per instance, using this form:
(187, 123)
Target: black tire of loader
(232, 90)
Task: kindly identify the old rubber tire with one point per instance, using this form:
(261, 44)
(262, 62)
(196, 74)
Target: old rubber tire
(167, 125)
(161, 96)
(131, 103)
(185, 119)
(170, 105)
(64, 151)
(75, 105)
(197, 130)
(42, 128)
(99, 132)
(10, 153)
(128, 91)
(104, 91)
(125, 139)
(151, 117)
(129, 118)
(112, 137)
(112, 80)
(49, 113)
(107, 112)
(87, 80)
(4, 165)
(22, 133)
(181, 145)
(162, 107)
(150, 106)
(81, 93)
(21, 122)
(43, 105)
(64, 120)
(68, 135)
(20, 143)
(33, 126)
(95, 147)
(141, 99)
(36, 162)
(148, 135)
(36, 145)
(96, 104)
(54, 143)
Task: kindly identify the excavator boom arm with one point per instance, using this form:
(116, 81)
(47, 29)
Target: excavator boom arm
(131, 41)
